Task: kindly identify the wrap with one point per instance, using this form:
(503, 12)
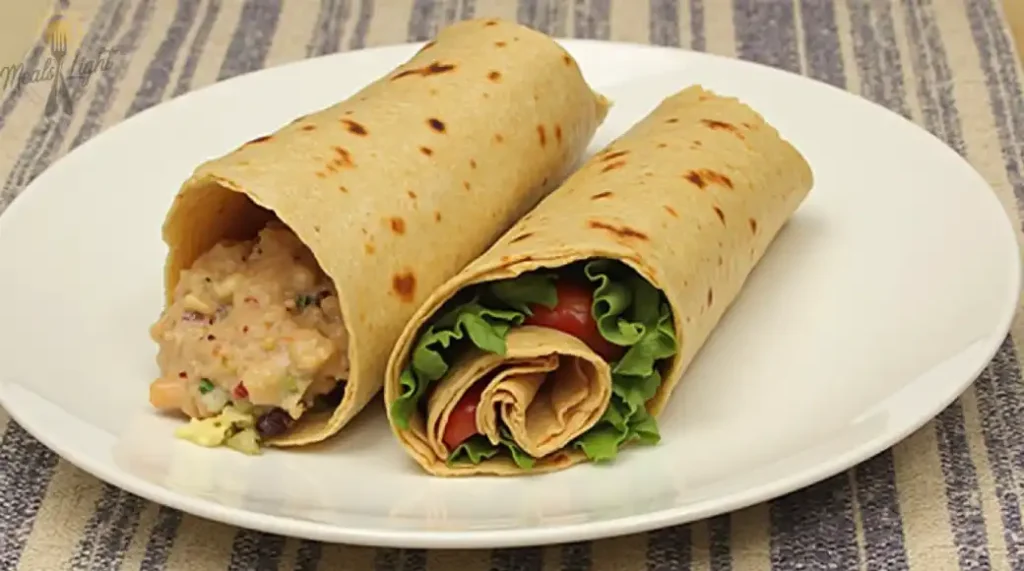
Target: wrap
(564, 340)
(332, 230)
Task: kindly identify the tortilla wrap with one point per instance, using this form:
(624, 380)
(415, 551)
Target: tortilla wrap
(401, 185)
(681, 207)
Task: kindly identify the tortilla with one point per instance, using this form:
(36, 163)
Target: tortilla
(402, 184)
(667, 222)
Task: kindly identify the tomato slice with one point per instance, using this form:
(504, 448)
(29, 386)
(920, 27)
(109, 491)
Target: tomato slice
(572, 315)
(462, 421)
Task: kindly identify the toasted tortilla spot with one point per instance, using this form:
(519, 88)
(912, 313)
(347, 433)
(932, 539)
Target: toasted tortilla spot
(601, 195)
(490, 23)
(615, 155)
(262, 139)
(321, 174)
(720, 260)
(369, 248)
(662, 145)
(624, 232)
(411, 194)
(343, 189)
(436, 124)
(465, 184)
(567, 60)
(435, 68)
(671, 211)
(721, 215)
(711, 297)
(472, 163)
(404, 285)
(542, 135)
(437, 216)
(316, 228)
(353, 127)
(500, 44)
(673, 120)
(308, 127)
(722, 126)
(698, 144)
(703, 177)
(613, 166)
(397, 225)
(498, 138)
(426, 151)
(344, 158)
(753, 226)
(520, 237)
(558, 134)
(494, 76)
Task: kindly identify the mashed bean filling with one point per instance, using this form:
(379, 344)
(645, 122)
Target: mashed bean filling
(254, 328)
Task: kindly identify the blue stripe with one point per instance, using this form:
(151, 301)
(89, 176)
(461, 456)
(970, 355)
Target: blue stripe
(878, 502)
(815, 527)
(252, 38)
(520, 559)
(821, 42)
(161, 539)
(26, 468)
(48, 134)
(362, 25)
(1001, 407)
(593, 19)
(15, 91)
(158, 74)
(576, 557)
(195, 50)
(766, 33)
(109, 530)
(663, 28)
(255, 551)
(526, 13)
(309, 555)
(698, 41)
(329, 27)
(670, 549)
(422, 21)
(881, 73)
(998, 62)
(720, 543)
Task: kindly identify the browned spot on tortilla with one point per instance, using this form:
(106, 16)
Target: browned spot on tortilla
(316, 228)
(411, 194)
(404, 284)
(613, 166)
(711, 297)
(344, 158)
(505, 259)
(671, 211)
(433, 91)
(243, 163)
(426, 151)
(437, 216)
(614, 155)
(465, 184)
(624, 232)
(487, 95)
(748, 125)
(262, 139)
(435, 68)
(491, 23)
(472, 163)
(662, 145)
(500, 44)
(720, 260)
(558, 134)
(369, 248)
(397, 225)
(567, 60)
(753, 225)
(347, 112)
(321, 174)
(698, 144)
(542, 135)
(494, 76)
(436, 124)
(520, 237)
(673, 120)
(722, 126)
(601, 195)
(308, 127)
(354, 128)
(544, 182)
(721, 215)
(343, 189)
(498, 138)
(703, 177)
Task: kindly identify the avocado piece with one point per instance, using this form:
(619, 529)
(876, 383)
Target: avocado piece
(245, 441)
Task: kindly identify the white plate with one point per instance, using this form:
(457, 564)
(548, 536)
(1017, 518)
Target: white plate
(881, 301)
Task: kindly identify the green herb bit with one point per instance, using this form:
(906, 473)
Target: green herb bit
(205, 385)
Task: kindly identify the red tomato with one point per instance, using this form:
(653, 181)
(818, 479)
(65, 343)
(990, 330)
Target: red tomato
(462, 420)
(572, 316)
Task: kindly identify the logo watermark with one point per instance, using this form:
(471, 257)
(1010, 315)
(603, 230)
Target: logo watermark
(60, 39)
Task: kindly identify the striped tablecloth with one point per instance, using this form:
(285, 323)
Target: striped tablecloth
(949, 497)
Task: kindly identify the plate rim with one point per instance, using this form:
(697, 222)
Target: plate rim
(289, 526)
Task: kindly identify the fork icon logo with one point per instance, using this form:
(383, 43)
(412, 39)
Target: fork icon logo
(59, 96)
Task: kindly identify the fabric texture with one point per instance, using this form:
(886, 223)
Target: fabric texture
(947, 497)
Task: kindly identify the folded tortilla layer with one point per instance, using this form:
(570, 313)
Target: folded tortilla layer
(402, 184)
(686, 203)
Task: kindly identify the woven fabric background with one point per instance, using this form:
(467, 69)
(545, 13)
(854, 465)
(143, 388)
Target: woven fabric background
(948, 497)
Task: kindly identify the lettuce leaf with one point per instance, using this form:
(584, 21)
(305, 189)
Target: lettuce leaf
(478, 448)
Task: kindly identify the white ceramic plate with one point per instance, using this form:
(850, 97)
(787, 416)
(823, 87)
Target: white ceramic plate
(881, 301)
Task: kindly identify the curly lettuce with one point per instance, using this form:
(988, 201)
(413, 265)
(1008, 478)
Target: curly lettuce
(629, 311)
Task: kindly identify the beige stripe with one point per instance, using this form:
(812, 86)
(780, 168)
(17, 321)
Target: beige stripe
(922, 492)
(137, 548)
(986, 481)
(801, 47)
(845, 33)
(295, 31)
(909, 79)
(69, 502)
(200, 540)
(186, 46)
(504, 9)
(336, 556)
(751, 545)
(551, 558)
(289, 555)
(217, 44)
(390, 23)
(858, 517)
(620, 553)
(700, 546)
(719, 31)
(629, 21)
